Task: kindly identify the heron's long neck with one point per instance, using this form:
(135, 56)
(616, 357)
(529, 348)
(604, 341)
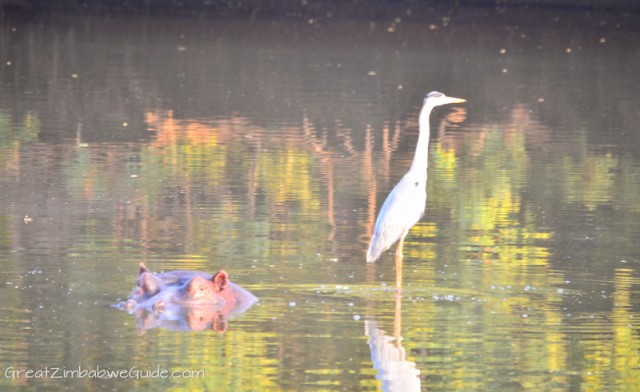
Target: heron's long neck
(421, 158)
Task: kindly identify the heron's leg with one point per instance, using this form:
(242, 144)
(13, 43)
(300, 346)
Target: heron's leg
(401, 245)
(399, 258)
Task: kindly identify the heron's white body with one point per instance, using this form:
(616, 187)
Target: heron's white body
(402, 209)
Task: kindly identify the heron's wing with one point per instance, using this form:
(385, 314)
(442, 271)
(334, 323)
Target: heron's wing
(401, 210)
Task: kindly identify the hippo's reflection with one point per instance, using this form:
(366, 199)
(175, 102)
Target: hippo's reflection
(185, 300)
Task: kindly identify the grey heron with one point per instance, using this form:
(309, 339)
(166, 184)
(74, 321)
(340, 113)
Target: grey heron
(406, 203)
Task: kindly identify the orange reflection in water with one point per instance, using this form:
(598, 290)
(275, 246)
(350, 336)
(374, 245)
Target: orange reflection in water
(170, 130)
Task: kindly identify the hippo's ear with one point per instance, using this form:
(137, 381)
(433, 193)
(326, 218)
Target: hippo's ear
(143, 269)
(149, 284)
(220, 279)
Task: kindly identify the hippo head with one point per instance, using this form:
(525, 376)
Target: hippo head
(185, 300)
(202, 290)
(197, 291)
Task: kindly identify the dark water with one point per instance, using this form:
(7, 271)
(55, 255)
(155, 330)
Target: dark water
(266, 147)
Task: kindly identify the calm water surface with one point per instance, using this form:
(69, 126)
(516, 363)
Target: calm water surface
(265, 147)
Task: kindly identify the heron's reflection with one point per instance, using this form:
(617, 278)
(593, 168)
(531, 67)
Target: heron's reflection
(389, 358)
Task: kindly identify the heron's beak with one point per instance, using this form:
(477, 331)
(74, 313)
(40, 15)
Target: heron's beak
(454, 100)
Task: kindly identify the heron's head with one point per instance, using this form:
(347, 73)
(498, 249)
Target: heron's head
(435, 98)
